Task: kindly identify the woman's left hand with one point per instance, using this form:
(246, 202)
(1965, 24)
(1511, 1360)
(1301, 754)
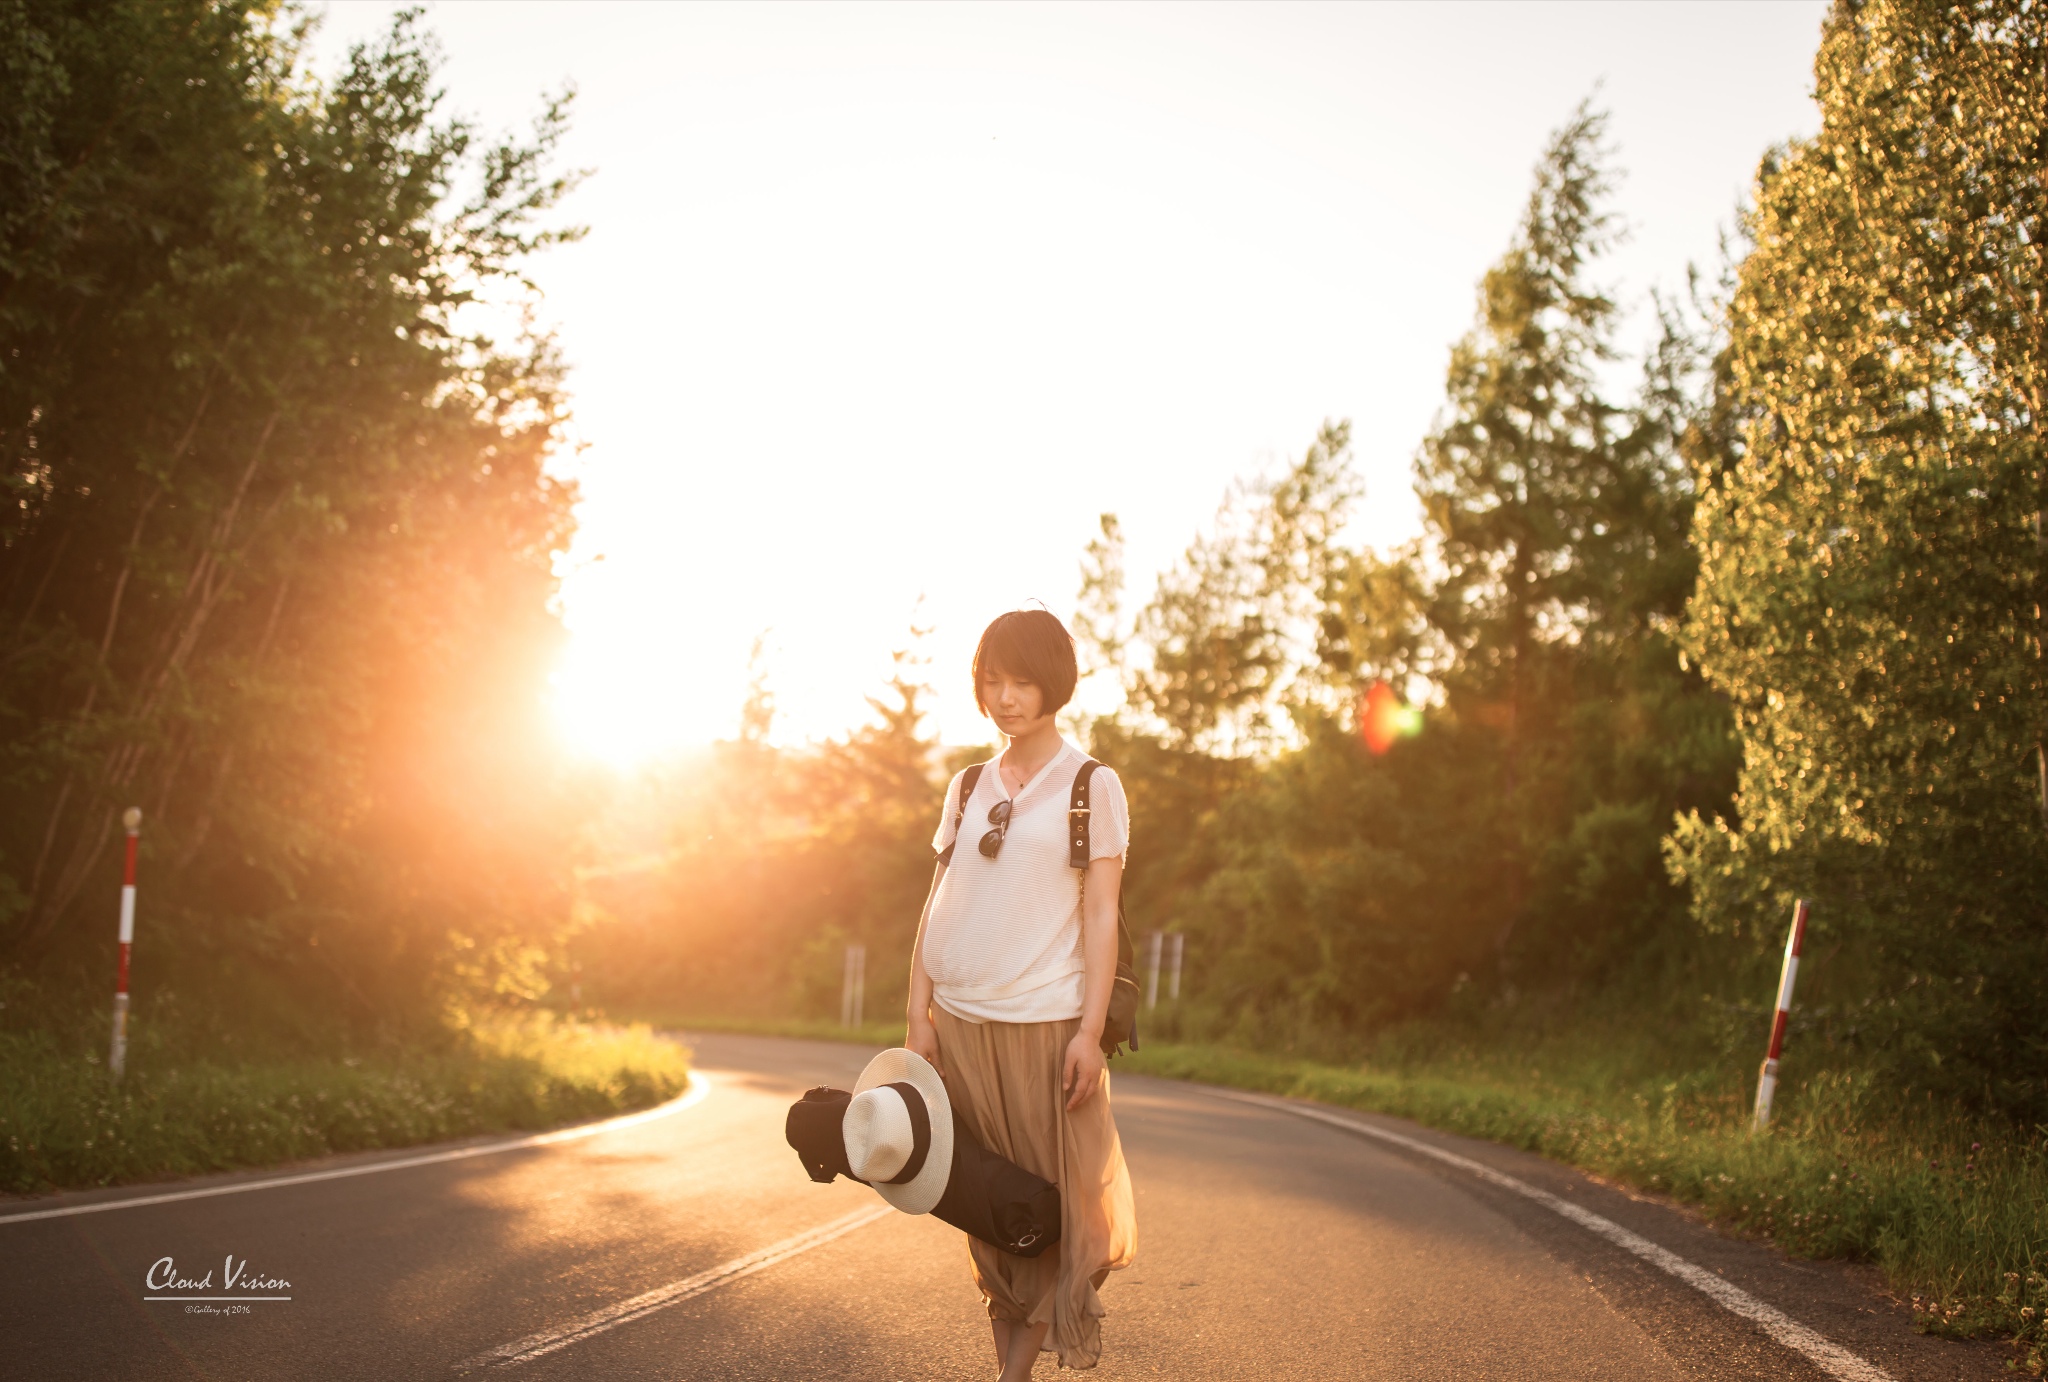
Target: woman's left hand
(1082, 1072)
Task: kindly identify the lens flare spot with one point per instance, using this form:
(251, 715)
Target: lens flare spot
(1382, 718)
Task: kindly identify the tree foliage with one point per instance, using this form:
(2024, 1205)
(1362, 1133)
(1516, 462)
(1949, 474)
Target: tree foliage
(1766, 624)
(1516, 840)
(736, 879)
(1872, 563)
(276, 557)
(1228, 624)
(1326, 889)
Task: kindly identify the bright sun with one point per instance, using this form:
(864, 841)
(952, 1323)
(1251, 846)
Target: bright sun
(633, 687)
(618, 713)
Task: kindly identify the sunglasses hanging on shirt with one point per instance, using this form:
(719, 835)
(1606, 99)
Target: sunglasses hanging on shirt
(999, 817)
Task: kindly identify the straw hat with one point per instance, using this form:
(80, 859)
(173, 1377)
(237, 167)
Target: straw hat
(899, 1130)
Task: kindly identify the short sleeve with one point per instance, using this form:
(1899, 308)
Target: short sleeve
(1109, 833)
(949, 816)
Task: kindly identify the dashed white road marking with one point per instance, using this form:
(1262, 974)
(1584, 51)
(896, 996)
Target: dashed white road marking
(1830, 1357)
(598, 1321)
(699, 1087)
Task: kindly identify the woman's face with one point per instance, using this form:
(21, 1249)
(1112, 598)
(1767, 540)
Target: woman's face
(1015, 703)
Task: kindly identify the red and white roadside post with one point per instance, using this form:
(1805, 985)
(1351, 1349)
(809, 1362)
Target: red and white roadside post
(117, 1058)
(1767, 1083)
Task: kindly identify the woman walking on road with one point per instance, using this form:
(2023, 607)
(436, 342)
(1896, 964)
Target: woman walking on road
(1010, 985)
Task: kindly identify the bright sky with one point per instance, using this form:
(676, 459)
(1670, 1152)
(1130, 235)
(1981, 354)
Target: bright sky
(887, 304)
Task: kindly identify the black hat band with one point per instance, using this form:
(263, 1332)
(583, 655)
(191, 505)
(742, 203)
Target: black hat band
(920, 1132)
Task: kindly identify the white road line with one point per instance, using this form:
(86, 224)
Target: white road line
(612, 1316)
(699, 1087)
(1831, 1358)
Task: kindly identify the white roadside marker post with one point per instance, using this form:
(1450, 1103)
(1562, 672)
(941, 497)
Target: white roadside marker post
(853, 986)
(1767, 1082)
(1173, 982)
(117, 1058)
(1152, 943)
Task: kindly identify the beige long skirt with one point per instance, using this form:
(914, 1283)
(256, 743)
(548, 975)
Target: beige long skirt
(1004, 1078)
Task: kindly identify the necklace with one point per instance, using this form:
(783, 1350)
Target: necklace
(1014, 777)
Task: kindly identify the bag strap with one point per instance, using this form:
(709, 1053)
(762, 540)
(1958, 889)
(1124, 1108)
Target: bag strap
(968, 779)
(1077, 814)
(1078, 818)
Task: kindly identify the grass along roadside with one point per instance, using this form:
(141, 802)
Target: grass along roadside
(65, 1125)
(1954, 1211)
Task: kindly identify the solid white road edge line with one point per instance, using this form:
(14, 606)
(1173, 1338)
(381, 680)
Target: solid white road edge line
(1831, 1358)
(598, 1321)
(699, 1087)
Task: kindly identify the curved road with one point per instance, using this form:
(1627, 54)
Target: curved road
(690, 1246)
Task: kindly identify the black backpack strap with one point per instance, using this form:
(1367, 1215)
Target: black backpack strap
(1077, 817)
(968, 779)
(1122, 1026)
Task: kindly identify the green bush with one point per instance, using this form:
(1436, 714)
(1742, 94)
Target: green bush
(64, 1124)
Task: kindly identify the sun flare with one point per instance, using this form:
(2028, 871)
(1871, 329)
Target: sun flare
(631, 689)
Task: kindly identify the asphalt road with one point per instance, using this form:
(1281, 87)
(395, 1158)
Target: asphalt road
(691, 1246)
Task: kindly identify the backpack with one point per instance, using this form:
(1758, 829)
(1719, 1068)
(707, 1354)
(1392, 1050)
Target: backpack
(1120, 1024)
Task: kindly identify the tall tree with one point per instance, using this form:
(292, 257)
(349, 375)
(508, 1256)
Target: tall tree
(278, 562)
(1234, 621)
(1556, 519)
(1873, 580)
(1513, 478)
(1099, 634)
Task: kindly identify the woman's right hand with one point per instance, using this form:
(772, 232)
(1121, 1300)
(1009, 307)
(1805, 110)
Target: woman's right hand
(921, 1036)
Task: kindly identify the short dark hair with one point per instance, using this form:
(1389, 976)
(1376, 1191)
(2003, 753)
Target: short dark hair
(1028, 643)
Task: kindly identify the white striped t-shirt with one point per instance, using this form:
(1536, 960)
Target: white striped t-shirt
(1003, 941)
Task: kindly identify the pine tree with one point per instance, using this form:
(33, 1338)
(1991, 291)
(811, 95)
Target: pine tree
(1556, 519)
